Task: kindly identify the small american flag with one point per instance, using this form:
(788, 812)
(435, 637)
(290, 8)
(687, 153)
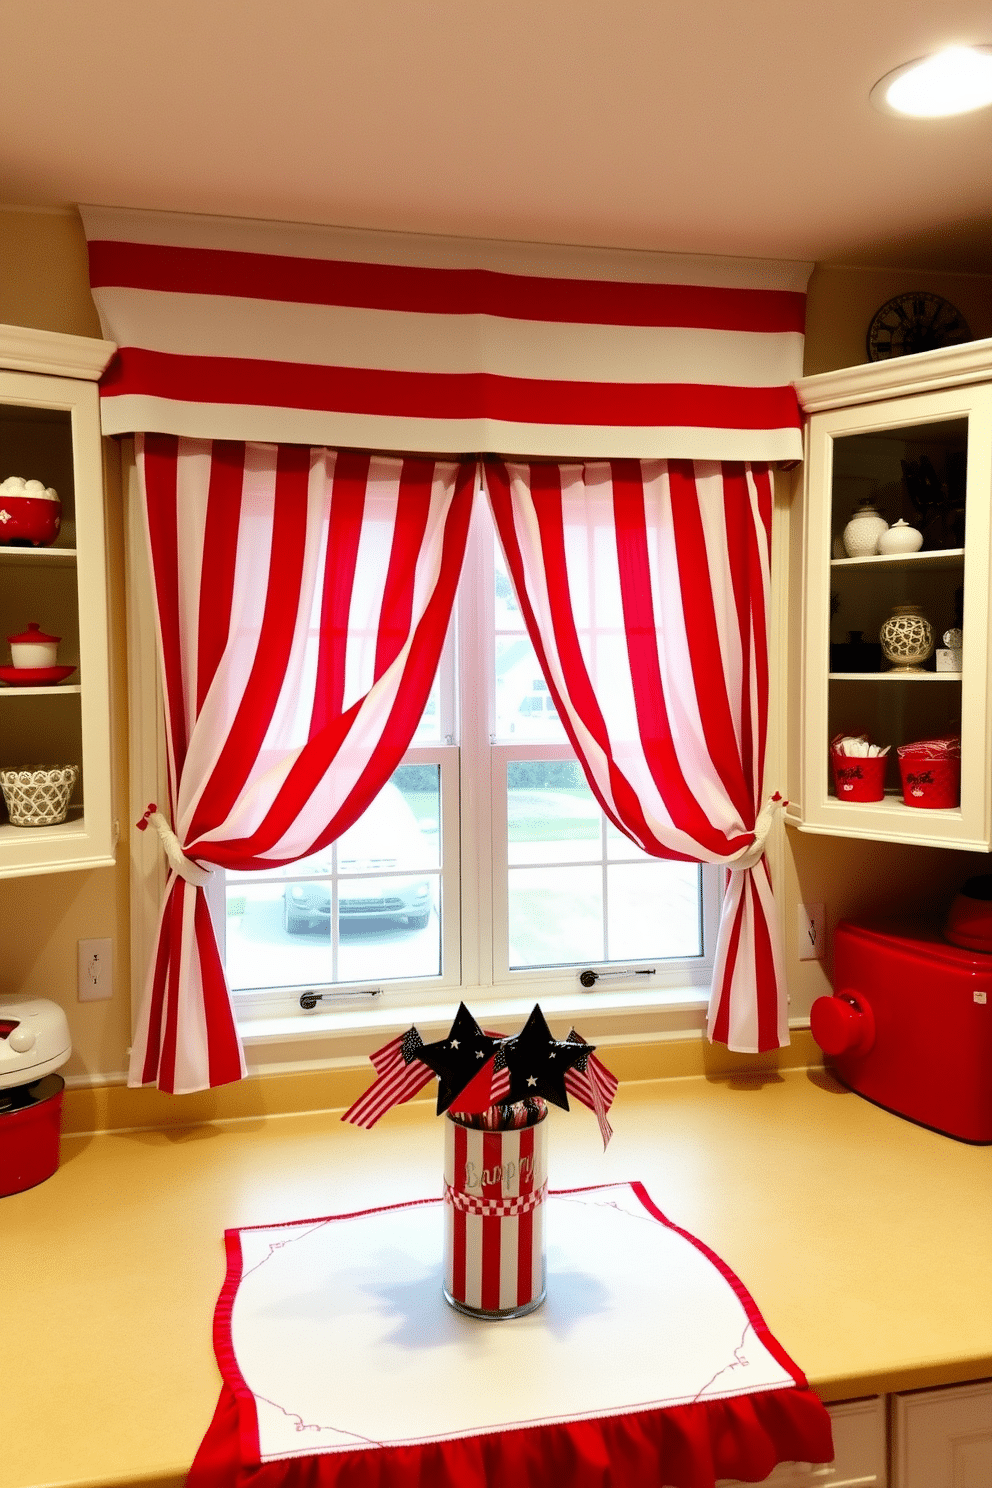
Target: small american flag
(400, 1076)
(592, 1084)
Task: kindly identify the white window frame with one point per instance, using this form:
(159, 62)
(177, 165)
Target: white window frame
(347, 1025)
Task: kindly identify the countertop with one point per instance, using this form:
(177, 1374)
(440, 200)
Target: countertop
(865, 1241)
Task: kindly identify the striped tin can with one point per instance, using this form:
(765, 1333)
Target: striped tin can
(495, 1183)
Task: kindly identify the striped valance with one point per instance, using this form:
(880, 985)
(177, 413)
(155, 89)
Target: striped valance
(286, 332)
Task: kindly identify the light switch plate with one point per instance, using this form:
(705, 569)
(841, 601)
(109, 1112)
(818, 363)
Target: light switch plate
(96, 969)
(812, 930)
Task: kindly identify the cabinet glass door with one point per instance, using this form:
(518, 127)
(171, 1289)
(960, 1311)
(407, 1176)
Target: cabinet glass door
(896, 646)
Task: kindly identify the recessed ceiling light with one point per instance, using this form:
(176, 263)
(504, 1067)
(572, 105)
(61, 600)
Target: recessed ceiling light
(954, 81)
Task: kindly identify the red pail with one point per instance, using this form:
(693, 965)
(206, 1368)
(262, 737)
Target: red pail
(30, 1128)
(859, 777)
(495, 1183)
(933, 783)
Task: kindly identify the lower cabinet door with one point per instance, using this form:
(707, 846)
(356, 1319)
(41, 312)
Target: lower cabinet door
(943, 1438)
(859, 1452)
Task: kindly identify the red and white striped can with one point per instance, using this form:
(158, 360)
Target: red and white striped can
(495, 1184)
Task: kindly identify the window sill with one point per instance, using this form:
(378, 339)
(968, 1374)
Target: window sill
(345, 1036)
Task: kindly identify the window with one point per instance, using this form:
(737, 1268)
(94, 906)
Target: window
(485, 867)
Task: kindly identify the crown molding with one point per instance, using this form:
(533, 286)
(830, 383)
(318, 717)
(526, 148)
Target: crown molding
(25, 349)
(948, 367)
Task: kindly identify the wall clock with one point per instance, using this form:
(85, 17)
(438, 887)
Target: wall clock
(918, 321)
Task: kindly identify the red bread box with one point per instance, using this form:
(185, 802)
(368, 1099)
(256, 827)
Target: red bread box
(909, 1026)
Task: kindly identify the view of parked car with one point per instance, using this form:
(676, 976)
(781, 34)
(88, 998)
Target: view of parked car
(385, 837)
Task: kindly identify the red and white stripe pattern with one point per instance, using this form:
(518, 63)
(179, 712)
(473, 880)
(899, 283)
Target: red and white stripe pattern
(644, 585)
(400, 1076)
(494, 1189)
(594, 1085)
(284, 332)
(303, 598)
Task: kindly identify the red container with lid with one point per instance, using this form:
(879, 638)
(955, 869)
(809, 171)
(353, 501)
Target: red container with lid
(909, 1026)
(30, 1128)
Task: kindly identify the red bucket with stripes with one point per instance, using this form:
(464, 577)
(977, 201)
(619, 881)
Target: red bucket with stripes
(495, 1183)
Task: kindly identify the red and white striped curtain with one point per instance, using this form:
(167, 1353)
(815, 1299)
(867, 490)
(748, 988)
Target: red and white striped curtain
(317, 335)
(644, 585)
(303, 597)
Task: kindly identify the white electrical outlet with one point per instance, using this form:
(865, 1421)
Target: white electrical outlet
(812, 931)
(96, 969)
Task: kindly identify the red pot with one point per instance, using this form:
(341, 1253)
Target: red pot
(30, 514)
(30, 1128)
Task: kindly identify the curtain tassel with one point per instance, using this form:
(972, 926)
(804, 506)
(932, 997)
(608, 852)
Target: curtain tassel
(181, 864)
(751, 856)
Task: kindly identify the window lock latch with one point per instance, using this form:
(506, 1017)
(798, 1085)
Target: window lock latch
(310, 999)
(589, 978)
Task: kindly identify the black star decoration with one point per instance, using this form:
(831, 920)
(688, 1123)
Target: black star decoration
(457, 1059)
(538, 1063)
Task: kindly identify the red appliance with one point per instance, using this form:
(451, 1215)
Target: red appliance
(30, 1126)
(909, 1026)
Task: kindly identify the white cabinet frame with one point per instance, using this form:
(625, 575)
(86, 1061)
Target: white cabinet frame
(43, 370)
(851, 403)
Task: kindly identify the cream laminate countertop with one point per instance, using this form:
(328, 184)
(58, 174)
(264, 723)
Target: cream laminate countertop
(866, 1242)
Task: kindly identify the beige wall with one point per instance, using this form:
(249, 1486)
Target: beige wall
(43, 283)
(842, 300)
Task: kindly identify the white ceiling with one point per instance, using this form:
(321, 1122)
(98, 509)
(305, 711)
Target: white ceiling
(713, 126)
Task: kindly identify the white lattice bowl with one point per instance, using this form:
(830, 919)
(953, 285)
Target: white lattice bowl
(907, 638)
(38, 797)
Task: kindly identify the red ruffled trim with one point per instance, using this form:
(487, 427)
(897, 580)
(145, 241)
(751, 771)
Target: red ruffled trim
(685, 1446)
(682, 1446)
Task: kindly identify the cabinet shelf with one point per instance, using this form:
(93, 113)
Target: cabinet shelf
(37, 555)
(938, 558)
(894, 677)
(67, 689)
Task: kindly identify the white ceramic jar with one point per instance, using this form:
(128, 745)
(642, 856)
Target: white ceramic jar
(863, 531)
(33, 648)
(900, 538)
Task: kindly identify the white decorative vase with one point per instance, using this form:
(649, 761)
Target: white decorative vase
(900, 538)
(863, 531)
(907, 638)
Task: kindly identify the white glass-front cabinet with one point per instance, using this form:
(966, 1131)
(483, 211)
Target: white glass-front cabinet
(914, 437)
(50, 432)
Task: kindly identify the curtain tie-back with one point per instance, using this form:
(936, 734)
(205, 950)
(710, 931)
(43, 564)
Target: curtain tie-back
(184, 866)
(751, 856)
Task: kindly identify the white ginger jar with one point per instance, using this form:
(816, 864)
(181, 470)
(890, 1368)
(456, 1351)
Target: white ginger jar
(863, 531)
(900, 538)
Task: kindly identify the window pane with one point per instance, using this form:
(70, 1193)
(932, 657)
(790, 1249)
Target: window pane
(621, 848)
(524, 707)
(578, 888)
(552, 815)
(556, 916)
(429, 727)
(377, 888)
(653, 909)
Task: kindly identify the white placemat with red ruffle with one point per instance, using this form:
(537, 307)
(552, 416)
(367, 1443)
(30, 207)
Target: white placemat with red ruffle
(334, 1340)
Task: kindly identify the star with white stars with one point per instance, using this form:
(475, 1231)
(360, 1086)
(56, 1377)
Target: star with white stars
(456, 1059)
(538, 1063)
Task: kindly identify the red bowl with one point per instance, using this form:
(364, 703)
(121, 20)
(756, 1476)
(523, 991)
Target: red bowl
(29, 521)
